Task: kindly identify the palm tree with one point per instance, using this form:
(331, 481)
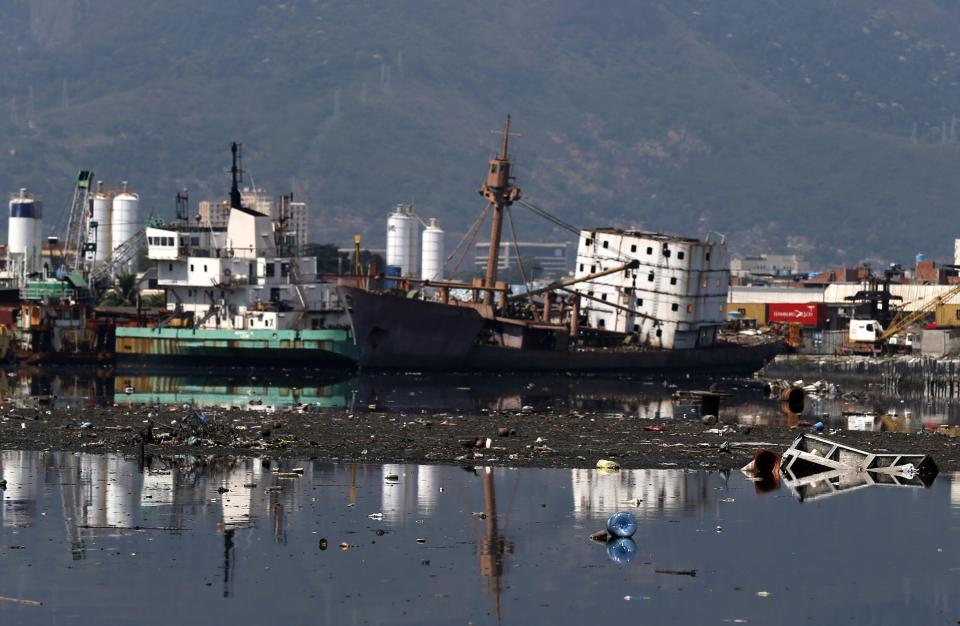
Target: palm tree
(123, 291)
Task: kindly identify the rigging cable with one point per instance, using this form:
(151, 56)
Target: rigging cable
(549, 217)
(471, 234)
(523, 274)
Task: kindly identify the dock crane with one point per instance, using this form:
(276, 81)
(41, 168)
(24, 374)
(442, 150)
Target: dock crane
(870, 332)
(75, 247)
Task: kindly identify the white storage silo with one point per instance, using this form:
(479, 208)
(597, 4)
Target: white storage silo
(431, 265)
(25, 230)
(125, 220)
(401, 226)
(102, 212)
(123, 492)
(414, 243)
(20, 470)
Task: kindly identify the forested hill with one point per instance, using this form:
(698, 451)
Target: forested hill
(827, 128)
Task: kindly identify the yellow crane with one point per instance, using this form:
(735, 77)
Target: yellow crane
(903, 320)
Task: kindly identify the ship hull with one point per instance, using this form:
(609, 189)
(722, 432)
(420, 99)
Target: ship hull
(400, 333)
(733, 358)
(325, 348)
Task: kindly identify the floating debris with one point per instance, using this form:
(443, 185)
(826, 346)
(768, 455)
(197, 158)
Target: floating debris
(605, 464)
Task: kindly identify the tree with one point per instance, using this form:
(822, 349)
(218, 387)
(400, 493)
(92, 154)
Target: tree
(329, 259)
(123, 291)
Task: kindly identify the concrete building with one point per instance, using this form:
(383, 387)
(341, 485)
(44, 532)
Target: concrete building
(552, 258)
(217, 214)
(767, 265)
(675, 299)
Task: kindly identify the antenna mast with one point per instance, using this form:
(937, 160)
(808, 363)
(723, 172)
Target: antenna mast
(183, 206)
(236, 174)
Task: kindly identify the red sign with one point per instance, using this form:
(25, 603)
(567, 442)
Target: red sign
(812, 314)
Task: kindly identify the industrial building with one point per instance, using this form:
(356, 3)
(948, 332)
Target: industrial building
(217, 214)
(413, 253)
(24, 234)
(552, 258)
(769, 265)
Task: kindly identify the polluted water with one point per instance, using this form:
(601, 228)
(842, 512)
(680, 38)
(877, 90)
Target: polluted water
(111, 540)
(743, 401)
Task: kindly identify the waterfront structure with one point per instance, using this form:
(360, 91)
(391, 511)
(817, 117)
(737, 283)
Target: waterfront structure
(295, 214)
(100, 225)
(124, 220)
(24, 233)
(767, 265)
(491, 328)
(432, 259)
(674, 299)
(235, 278)
(551, 257)
(403, 241)
(239, 294)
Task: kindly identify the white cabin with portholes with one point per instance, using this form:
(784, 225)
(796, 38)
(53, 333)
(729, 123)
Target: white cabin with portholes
(676, 299)
(235, 278)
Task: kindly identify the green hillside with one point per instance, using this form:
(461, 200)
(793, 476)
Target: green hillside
(822, 127)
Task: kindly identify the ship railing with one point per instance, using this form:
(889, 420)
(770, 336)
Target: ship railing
(37, 292)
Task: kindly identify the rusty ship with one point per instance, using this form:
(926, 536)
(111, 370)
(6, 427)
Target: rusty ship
(636, 301)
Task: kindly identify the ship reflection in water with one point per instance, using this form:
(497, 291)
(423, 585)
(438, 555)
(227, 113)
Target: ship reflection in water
(603, 395)
(292, 540)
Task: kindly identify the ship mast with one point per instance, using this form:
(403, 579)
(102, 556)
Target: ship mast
(235, 174)
(500, 193)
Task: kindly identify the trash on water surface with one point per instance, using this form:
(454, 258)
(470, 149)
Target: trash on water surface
(621, 550)
(814, 467)
(764, 469)
(605, 464)
(622, 524)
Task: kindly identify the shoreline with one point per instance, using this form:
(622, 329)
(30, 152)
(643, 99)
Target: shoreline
(552, 439)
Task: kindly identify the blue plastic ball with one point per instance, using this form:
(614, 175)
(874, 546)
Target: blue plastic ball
(621, 550)
(622, 524)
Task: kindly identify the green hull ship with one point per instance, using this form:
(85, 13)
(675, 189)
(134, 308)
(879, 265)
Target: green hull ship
(333, 391)
(321, 348)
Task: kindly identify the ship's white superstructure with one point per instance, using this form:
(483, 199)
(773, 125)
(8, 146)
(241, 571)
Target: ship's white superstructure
(675, 299)
(235, 279)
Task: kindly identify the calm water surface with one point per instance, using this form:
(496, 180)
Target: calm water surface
(99, 540)
(644, 396)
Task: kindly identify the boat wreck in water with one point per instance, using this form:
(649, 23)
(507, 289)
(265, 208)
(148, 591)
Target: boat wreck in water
(636, 301)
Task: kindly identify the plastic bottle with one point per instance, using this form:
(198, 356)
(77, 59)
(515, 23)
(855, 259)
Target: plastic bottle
(622, 524)
(622, 550)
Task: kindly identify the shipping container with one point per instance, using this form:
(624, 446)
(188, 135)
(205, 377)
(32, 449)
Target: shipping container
(811, 314)
(948, 316)
(750, 311)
